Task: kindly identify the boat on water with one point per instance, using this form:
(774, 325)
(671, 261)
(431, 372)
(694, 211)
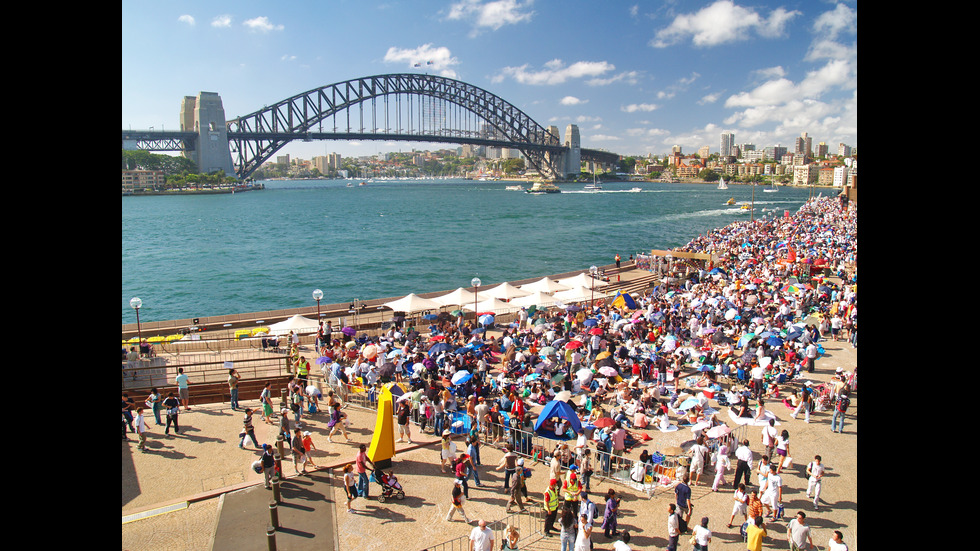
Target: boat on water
(596, 185)
(540, 188)
(636, 189)
(746, 208)
(722, 184)
(514, 188)
(771, 189)
(730, 201)
(362, 184)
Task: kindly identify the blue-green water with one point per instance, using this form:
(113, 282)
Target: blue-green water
(196, 256)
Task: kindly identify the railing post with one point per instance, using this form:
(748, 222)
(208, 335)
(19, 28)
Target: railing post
(274, 514)
(270, 535)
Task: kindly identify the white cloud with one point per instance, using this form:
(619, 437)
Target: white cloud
(710, 98)
(555, 72)
(221, 21)
(572, 100)
(832, 23)
(770, 72)
(262, 24)
(628, 76)
(604, 138)
(427, 57)
(586, 118)
(288, 57)
(490, 15)
(633, 107)
(721, 23)
(186, 19)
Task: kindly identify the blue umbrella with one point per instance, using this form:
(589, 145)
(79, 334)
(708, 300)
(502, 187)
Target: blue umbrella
(532, 377)
(794, 333)
(323, 360)
(438, 348)
(774, 341)
(688, 404)
(486, 319)
(591, 322)
(706, 367)
(461, 377)
(477, 330)
(430, 317)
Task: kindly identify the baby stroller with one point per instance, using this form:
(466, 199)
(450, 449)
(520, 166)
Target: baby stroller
(389, 486)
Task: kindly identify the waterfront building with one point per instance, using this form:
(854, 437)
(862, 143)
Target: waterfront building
(727, 144)
(133, 180)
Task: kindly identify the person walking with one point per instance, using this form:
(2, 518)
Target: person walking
(473, 451)
(140, 423)
(754, 532)
(233, 378)
(673, 527)
(268, 465)
(814, 472)
(682, 495)
(248, 430)
(782, 449)
(517, 485)
(173, 409)
(697, 453)
(508, 463)
(798, 533)
(769, 438)
(836, 542)
(740, 507)
(609, 516)
(337, 421)
(350, 485)
(404, 410)
(127, 411)
(361, 461)
(572, 490)
(569, 528)
(265, 398)
(583, 539)
(722, 463)
(481, 537)
(743, 466)
(182, 388)
(458, 499)
(448, 450)
(701, 536)
(153, 401)
(840, 409)
(307, 447)
(298, 451)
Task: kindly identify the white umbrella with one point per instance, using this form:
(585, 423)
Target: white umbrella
(583, 280)
(584, 375)
(460, 297)
(563, 396)
(505, 291)
(412, 303)
(545, 285)
(493, 305)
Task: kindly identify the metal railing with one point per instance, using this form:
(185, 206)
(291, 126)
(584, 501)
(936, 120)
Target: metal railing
(529, 525)
(201, 369)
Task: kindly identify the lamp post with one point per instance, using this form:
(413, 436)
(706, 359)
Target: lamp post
(317, 295)
(135, 303)
(475, 282)
(592, 271)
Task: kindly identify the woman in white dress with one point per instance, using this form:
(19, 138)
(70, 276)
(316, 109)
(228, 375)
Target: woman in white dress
(583, 540)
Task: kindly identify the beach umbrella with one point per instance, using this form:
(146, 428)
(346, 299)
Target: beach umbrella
(591, 322)
(323, 360)
(438, 348)
(608, 371)
(583, 374)
(457, 312)
(596, 331)
(350, 344)
(430, 317)
(460, 297)
(545, 285)
(774, 341)
(557, 379)
(412, 303)
(563, 396)
(573, 308)
(532, 376)
(437, 338)
(718, 432)
(387, 369)
(370, 351)
(603, 422)
(602, 355)
(572, 345)
(688, 404)
(486, 319)
(461, 377)
(393, 353)
(705, 367)
(349, 331)
(547, 351)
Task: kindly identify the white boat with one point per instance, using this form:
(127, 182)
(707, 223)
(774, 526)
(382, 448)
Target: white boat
(596, 185)
(514, 188)
(771, 189)
(722, 184)
(539, 188)
(636, 189)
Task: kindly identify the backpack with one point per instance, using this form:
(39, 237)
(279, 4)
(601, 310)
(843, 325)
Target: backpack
(842, 404)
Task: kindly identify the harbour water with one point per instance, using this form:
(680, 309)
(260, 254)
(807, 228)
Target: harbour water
(188, 256)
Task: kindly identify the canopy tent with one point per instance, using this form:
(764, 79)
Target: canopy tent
(545, 285)
(413, 303)
(623, 300)
(505, 291)
(493, 305)
(579, 294)
(583, 280)
(297, 323)
(537, 298)
(460, 297)
(557, 408)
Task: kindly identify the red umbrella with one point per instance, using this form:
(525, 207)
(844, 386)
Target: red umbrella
(595, 331)
(571, 345)
(437, 338)
(604, 422)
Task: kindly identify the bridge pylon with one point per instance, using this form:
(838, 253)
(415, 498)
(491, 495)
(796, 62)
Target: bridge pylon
(205, 115)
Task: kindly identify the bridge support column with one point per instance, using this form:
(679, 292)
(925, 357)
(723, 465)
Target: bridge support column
(205, 115)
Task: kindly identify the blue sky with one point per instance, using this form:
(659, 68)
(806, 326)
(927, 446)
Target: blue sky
(637, 77)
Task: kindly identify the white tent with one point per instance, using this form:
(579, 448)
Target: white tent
(536, 299)
(412, 303)
(504, 291)
(579, 294)
(494, 305)
(297, 323)
(545, 285)
(460, 297)
(583, 280)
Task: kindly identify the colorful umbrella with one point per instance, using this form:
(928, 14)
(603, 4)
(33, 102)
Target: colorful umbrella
(572, 345)
(349, 331)
(461, 377)
(718, 432)
(595, 331)
(608, 371)
(370, 351)
(603, 422)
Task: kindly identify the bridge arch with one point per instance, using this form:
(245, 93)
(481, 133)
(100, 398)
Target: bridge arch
(429, 108)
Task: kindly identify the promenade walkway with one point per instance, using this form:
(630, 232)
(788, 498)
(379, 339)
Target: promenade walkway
(196, 490)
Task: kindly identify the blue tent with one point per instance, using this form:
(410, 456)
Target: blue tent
(557, 408)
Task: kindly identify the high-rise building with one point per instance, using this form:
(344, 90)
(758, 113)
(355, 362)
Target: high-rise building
(704, 151)
(727, 143)
(843, 150)
(821, 149)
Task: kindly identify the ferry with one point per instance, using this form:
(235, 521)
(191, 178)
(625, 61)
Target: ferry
(539, 188)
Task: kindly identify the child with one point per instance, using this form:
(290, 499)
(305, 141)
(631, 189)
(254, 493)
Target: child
(308, 445)
(350, 485)
(457, 501)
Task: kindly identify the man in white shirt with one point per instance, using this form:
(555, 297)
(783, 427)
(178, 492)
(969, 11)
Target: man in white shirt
(481, 537)
(814, 471)
(622, 544)
(673, 527)
(836, 542)
(798, 533)
(744, 465)
(769, 438)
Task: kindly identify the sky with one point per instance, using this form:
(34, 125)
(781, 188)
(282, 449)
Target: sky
(637, 77)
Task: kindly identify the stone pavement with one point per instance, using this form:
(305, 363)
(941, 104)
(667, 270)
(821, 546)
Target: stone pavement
(191, 472)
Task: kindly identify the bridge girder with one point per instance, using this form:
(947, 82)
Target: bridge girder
(255, 137)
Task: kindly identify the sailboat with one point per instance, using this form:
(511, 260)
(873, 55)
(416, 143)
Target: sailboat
(596, 185)
(722, 184)
(771, 189)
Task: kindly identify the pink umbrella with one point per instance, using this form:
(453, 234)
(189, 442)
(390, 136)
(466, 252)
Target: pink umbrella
(370, 351)
(718, 432)
(608, 371)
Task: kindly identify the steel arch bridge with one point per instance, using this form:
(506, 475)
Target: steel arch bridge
(397, 107)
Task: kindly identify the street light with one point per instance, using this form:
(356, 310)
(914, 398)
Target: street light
(592, 271)
(317, 295)
(475, 282)
(135, 303)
